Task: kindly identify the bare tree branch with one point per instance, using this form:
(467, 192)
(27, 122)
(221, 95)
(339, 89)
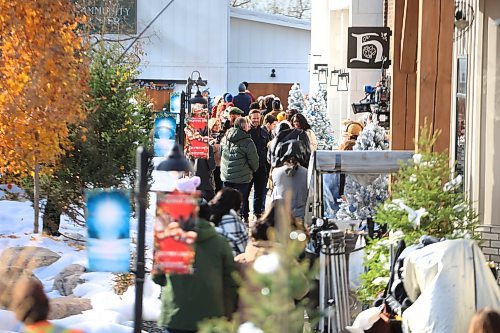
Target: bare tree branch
(239, 3)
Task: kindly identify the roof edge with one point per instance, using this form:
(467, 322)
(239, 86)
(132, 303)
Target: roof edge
(250, 15)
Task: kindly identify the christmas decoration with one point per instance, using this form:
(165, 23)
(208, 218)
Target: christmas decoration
(372, 138)
(315, 113)
(296, 98)
(426, 199)
(363, 195)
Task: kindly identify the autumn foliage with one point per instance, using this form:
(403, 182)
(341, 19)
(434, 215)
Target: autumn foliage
(43, 79)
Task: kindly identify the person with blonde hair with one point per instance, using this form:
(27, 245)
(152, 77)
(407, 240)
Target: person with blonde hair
(31, 306)
(352, 129)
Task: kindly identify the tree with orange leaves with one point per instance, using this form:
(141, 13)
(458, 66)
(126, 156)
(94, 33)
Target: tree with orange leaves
(43, 75)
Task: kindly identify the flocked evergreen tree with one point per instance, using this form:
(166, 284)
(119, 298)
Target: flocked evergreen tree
(296, 98)
(363, 193)
(426, 199)
(315, 113)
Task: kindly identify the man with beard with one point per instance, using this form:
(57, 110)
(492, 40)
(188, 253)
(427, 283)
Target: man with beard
(260, 137)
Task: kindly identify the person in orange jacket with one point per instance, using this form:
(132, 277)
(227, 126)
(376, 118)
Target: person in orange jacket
(31, 306)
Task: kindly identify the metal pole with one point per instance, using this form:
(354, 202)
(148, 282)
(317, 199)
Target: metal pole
(182, 120)
(140, 195)
(322, 285)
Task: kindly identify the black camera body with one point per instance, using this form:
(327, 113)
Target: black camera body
(318, 225)
(376, 101)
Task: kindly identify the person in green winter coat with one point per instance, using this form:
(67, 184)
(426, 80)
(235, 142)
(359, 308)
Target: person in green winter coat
(239, 158)
(209, 292)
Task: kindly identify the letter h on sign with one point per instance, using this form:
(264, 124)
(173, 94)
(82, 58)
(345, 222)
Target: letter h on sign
(368, 47)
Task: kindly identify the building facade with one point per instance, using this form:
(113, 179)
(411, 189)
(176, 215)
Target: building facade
(475, 138)
(226, 45)
(330, 21)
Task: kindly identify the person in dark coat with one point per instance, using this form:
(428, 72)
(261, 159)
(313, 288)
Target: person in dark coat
(260, 137)
(204, 168)
(239, 158)
(209, 292)
(248, 92)
(242, 100)
(295, 140)
(268, 102)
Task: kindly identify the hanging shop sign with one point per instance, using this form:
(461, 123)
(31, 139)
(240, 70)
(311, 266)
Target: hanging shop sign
(368, 47)
(108, 228)
(197, 133)
(174, 232)
(109, 16)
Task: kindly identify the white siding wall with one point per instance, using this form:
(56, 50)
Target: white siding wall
(364, 13)
(490, 114)
(338, 107)
(189, 35)
(256, 47)
(330, 20)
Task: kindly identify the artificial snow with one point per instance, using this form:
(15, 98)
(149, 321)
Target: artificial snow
(111, 312)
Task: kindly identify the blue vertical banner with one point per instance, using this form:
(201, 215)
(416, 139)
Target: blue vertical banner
(108, 227)
(164, 133)
(175, 102)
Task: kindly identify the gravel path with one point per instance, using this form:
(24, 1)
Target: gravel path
(150, 326)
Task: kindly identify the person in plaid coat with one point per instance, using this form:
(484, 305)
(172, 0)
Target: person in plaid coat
(227, 222)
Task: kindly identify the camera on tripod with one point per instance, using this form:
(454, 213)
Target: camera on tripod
(376, 101)
(318, 225)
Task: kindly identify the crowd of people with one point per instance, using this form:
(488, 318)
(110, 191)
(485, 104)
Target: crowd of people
(254, 144)
(256, 148)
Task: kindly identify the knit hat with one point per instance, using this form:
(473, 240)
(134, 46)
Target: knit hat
(228, 97)
(281, 116)
(242, 87)
(235, 110)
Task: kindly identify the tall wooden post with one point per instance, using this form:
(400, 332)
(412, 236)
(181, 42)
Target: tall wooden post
(434, 68)
(404, 58)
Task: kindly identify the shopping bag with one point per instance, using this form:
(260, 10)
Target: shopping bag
(356, 267)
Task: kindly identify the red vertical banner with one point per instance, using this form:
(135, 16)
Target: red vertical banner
(174, 232)
(196, 131)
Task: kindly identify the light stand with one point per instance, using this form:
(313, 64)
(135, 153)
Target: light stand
(141, 200)
(174, 162)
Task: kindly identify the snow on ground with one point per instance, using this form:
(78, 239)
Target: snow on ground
(111, 312)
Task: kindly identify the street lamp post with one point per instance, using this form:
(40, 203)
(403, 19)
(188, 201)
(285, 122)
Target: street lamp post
(141, 201)
(174, 162)
(187, 100)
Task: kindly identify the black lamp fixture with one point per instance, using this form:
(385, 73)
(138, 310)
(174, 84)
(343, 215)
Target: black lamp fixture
(322, 71)
(273, 73)
(199, 81)
(198, 98)
(175, 162)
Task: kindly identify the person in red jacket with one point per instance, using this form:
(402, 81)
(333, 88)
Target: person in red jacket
(31, 306)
